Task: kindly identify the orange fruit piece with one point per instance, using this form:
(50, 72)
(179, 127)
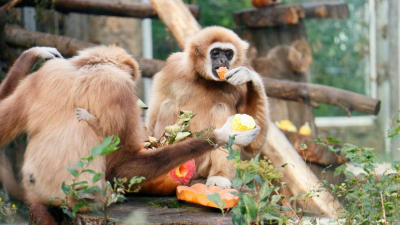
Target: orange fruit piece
(221, 72)
(166, 184)
(198, 193)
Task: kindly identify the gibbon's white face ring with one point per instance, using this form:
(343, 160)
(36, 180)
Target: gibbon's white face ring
(224, 46)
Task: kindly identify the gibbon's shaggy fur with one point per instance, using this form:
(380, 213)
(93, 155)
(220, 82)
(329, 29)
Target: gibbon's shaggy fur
(188, 82)
(102, 80)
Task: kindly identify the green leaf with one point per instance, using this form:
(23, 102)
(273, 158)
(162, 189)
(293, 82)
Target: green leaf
(73, 171)
(249, 177)
(67, 212)
(216, 198)
(237, 216)
(236, 182)
(88, 171)
(95, 189)
(97, 177)
(276, 198)
(340, 169)
(271, 217)
(293, 198)
(259, 179)
(98, 149)
(136, 180)
(79, 164)
(78, 205)
(97, 211)
(255, 160)
(65, 188)
(251, 208)
(330, 139)
(265, 191)
(82, 183)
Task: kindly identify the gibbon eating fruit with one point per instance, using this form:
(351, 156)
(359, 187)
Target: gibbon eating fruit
(189, 81)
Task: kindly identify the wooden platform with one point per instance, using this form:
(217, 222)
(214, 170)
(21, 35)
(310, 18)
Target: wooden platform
(160, 210)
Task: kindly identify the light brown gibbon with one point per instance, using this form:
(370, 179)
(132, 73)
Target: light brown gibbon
(101, 80)
(189, 81)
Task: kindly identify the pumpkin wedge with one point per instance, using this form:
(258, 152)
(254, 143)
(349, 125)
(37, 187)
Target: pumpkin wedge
(198, 193)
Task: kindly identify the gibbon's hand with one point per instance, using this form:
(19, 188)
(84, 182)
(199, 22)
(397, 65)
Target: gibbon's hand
(242, 138)
(46, 52)
(241, 75)
(82, 114)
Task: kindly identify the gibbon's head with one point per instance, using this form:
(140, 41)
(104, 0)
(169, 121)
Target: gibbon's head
(214, 47)
(108, 54)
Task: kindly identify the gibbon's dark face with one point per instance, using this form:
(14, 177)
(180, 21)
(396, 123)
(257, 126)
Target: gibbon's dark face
(220, 57)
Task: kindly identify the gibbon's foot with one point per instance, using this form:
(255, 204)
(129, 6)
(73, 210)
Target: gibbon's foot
(219, 181)
(41, 215)
(83, 114)
(242, 138)
(46, 52)
(239, 75)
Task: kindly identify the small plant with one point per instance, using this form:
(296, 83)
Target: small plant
(7, 212)
(260, 206)
(80, 191)
(367, 198)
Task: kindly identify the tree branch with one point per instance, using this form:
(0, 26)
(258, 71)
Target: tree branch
(105, 8)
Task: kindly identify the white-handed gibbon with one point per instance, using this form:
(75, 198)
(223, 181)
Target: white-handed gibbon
(101, 80)
(189, 81)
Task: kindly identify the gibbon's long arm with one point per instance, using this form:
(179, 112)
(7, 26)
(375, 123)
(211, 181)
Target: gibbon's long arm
(153, 163)
(12, 111)
(23, 65)
(256, 103)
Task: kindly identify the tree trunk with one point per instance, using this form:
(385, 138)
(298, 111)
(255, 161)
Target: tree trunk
(177, 18)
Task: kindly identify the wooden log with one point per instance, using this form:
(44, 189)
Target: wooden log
(177, 18)
(283, 89)
(105, 8)
(67, 46)
(306, 92)
(7, 54)
(290, 14)
(298, 177)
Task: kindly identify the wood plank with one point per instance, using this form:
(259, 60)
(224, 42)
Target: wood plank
(105, 8)
(290, 14)
(306, 92)
(67, 46)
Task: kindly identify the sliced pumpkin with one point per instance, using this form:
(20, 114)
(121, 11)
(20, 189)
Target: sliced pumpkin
(198, 193)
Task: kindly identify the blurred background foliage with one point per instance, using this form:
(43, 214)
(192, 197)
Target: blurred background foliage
(340, 47)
